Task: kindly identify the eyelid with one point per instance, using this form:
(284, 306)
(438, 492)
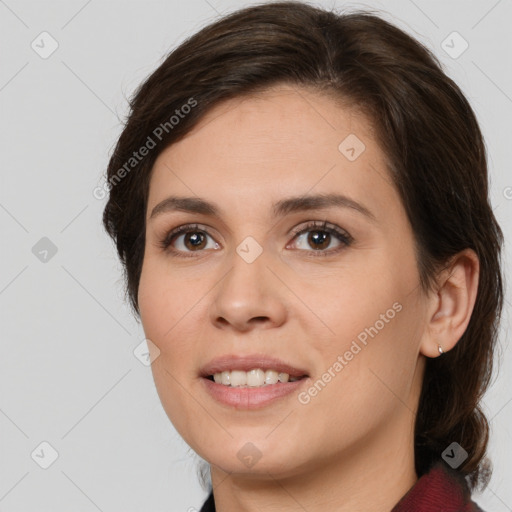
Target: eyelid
(321, 226)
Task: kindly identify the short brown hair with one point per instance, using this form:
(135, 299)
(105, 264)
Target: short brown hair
(425, 127)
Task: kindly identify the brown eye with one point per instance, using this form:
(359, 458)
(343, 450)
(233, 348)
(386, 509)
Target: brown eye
(319, 239)
(194, 240)
(188, 239)
(320, 236)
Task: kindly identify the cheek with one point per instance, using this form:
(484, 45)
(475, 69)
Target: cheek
(171, 311)
(372, 382)
(353, 301)
(166, 308)
(374, 318)
(164, 299)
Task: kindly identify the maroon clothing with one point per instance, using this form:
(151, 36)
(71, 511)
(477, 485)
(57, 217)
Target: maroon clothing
(442, 489)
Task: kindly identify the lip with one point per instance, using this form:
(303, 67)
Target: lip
(249, 362)
(247, 398)
(250, 397)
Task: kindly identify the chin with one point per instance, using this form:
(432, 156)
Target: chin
(256, 458)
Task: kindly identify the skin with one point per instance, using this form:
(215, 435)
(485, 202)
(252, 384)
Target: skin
(351, 447)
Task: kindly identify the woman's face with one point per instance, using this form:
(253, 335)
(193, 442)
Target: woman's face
(329, 287)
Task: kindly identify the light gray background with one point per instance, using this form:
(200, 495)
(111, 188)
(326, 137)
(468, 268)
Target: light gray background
(68, 374)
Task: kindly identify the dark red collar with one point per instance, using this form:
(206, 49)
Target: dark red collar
(441, 488)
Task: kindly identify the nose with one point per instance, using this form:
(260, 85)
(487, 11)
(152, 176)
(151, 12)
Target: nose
(248, 296)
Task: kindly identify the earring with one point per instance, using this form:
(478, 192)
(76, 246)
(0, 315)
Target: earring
(440, 349)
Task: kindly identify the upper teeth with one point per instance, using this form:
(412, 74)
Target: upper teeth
(252, 378)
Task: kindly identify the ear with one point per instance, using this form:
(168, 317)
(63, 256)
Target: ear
(450, 308)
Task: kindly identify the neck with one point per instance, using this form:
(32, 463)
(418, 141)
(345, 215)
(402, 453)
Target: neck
(372, 477)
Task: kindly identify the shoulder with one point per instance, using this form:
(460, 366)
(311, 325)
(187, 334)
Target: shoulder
(209, 504)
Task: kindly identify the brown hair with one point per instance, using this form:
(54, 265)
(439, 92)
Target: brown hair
(426, 128)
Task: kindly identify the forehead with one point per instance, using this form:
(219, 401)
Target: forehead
(253, 150)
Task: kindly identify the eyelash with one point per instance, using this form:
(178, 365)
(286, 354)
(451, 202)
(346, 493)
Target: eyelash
(340, 234)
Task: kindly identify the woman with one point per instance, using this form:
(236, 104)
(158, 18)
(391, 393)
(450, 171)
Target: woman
(300, 202)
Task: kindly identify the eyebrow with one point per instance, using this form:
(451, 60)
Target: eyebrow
(280, 208)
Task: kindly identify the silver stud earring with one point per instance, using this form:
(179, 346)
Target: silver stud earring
(440, 349)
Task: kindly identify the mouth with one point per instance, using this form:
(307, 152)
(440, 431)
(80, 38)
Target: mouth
(251, 381)
(254, 394)
(252, 370)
